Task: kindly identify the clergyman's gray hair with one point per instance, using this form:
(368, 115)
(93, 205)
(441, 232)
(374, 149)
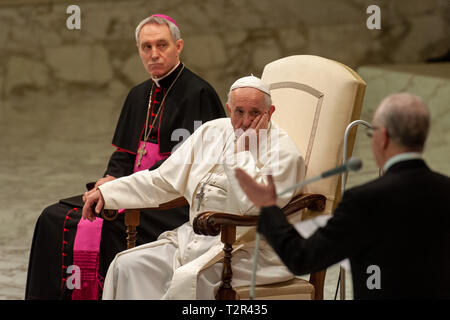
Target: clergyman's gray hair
(407, 120)
(267, 98)
(174, 30)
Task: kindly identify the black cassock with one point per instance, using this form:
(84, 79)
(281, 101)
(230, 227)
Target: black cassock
(190, 99)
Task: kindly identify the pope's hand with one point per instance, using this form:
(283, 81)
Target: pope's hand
(251, 133)
(261, 195)
(96, 199)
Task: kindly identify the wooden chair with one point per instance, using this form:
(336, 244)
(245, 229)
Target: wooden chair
(213, 223)
(315, 100)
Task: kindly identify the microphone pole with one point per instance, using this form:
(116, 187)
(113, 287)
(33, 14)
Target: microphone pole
(353, 164)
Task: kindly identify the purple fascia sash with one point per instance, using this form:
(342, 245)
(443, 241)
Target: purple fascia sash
(86, 249)
(86, 258)
(151, 156)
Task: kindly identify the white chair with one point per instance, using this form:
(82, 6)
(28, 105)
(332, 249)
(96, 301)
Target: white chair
(315, 99)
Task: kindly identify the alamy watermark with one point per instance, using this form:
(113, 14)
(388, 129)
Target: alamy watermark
(74, 20)
(227, 147)
(374, 280)
(374, 20)
(74, 280)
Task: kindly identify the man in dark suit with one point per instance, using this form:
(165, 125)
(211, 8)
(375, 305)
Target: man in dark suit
(395, 230)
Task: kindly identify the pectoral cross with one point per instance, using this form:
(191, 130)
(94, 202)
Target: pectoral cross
(199, 196)
(141, 152)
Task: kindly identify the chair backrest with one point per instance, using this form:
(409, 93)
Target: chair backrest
(315, 100)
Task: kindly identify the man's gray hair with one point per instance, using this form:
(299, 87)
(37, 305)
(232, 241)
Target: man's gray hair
(407, 120)
(174, 30)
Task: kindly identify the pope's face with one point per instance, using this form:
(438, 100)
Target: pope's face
(159, 52)
(245, 105)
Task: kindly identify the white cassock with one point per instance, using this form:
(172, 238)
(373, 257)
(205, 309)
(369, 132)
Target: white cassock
(182, 264)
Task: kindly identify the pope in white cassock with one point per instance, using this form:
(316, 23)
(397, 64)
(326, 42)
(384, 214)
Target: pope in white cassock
(182, 264)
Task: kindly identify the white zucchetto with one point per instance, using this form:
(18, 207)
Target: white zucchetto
(251, 81)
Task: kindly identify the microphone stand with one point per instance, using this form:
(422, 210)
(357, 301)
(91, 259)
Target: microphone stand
(255, 254)
(341, 279)
(345, 167)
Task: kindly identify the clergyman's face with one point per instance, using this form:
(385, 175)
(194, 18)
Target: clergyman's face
(159, 52)
(245, 105)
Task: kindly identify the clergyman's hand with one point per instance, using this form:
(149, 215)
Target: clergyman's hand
(96, 199)
(261, 195)
(103, 180)
(99, 182)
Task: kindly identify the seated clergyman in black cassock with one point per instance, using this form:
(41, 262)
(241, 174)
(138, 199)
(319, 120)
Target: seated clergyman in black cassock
(174, 98)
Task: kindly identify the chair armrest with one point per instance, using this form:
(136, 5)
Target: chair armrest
(110, 215)
(178, 202)
(311, 201)
(210, 223)
(132, 217)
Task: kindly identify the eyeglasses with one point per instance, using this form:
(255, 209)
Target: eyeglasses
(369, 131)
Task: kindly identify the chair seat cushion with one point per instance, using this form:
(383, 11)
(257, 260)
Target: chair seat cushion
(294, 289)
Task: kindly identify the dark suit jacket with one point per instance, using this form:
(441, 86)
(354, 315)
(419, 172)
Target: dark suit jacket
(399, 223)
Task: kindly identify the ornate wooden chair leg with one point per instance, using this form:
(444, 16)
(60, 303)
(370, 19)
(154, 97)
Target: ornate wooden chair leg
(318, 280)
(226, 291)
(132, 220)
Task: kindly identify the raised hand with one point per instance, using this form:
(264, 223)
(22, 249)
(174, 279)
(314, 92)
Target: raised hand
(260, 194)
